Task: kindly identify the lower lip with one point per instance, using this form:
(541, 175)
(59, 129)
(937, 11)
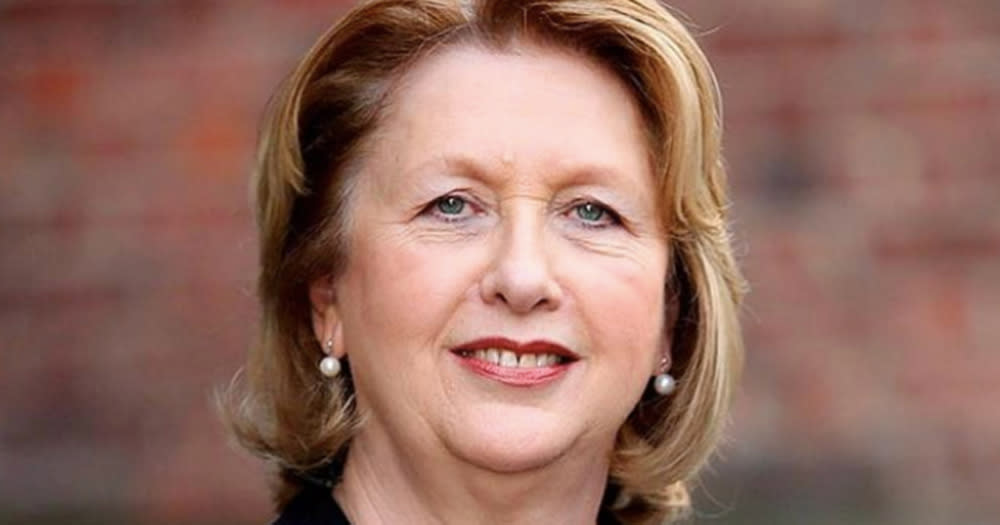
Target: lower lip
(514, 376)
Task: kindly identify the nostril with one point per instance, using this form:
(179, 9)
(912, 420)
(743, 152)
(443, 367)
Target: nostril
(521, 293)
(488, 291)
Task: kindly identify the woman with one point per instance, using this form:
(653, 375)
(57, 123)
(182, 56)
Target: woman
(496, 280)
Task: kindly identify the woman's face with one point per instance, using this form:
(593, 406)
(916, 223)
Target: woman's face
(504, 299)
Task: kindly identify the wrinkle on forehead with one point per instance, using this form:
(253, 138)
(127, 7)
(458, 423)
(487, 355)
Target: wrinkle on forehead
(524, 196)
(490, 136)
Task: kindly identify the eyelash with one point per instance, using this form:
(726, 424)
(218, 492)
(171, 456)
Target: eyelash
(609, 217)
(434, 210)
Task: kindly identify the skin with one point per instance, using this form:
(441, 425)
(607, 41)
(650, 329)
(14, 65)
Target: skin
(523, 138)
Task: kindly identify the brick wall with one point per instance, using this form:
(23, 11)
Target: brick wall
(861, 138)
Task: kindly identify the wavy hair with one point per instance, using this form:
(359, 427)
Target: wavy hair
(282, 409)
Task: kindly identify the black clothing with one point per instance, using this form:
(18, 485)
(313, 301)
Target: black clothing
(314, 505)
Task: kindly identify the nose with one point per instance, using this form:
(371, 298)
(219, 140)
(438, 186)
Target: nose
(521, 275)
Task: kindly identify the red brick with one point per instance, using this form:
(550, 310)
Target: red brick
(861, 142)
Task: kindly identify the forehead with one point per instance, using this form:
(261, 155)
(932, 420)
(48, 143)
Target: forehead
(528, 103)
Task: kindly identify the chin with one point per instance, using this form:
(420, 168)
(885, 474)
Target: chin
(513, 440)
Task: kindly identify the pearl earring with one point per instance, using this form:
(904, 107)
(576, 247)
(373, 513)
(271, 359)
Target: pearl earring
(664, 384)
(329, 365)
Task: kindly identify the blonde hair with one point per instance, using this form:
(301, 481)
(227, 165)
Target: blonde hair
(286, 412)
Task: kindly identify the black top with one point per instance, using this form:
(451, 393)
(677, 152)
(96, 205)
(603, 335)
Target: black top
(315, 505)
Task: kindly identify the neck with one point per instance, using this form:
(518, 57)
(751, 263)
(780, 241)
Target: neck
(381, 486)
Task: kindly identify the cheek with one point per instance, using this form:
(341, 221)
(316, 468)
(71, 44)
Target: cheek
(401, 291)
(624, 314)
(623, 306)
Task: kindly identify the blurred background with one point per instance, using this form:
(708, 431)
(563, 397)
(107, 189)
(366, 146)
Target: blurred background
(863, 142)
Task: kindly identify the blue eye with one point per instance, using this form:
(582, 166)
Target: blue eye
(450, 205)
(590, 212)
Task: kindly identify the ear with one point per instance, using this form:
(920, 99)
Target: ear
(325, 316)
(663, 358)
(670, 314)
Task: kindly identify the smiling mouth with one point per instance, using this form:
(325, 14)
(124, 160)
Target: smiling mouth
(516, 364)
(510, 359)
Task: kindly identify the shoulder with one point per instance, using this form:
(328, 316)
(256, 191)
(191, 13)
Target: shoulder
(312, 506)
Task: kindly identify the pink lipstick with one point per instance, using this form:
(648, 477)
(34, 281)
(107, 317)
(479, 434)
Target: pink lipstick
(513, 363)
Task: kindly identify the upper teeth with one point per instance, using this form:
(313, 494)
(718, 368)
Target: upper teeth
(510, 359)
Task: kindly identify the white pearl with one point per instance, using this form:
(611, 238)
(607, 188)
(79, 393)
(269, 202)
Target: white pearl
(329, 366)
(664, 384)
